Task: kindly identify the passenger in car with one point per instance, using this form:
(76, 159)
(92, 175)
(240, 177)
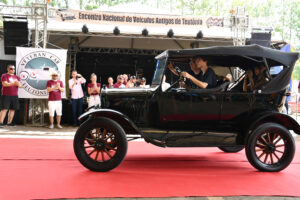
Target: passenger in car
(255, 81)
(224, 79)
(205, 77)
(193, 70)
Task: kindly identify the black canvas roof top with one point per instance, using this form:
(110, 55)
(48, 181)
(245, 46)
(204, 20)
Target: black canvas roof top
(242, 56)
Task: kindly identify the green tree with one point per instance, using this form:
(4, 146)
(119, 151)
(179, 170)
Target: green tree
(3, 1)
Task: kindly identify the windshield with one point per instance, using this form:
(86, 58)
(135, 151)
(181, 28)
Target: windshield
(159, 72)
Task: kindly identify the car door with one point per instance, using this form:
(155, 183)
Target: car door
(197, 109)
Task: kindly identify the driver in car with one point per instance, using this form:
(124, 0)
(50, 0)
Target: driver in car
(199, 76)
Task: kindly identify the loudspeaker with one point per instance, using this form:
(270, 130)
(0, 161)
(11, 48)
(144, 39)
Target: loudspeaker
(15, 34)
(263, 39)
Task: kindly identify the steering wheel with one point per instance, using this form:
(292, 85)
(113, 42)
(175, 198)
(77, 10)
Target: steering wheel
(181, 78)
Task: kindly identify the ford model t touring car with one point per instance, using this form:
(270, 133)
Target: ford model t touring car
(224, 116)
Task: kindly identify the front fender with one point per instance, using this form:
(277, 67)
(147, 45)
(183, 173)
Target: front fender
(126, 123)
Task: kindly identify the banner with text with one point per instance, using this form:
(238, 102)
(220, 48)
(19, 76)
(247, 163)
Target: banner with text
(86, 17)
(34, 67)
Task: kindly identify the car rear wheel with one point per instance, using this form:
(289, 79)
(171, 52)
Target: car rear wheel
(231, 149)
(100, 144)
(270, 147)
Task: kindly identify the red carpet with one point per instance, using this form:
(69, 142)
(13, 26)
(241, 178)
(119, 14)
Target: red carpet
(45, 169)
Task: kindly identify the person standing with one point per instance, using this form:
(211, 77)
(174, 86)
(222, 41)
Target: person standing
(110, 82)
(132, 82)
(299, 89)
(120, 82)
(9, 98)
(94, 90)
(143, 83)
(125, 77)
(76, 95)
(55, 87)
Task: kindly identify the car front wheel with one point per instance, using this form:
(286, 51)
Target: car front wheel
(100, 144)
(270, 147)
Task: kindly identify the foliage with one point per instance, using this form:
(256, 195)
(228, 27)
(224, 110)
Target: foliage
(91, 7)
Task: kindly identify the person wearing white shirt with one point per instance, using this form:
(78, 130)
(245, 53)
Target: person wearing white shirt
(76, 95)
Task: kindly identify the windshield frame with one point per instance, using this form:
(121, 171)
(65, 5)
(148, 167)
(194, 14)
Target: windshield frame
(159, 72)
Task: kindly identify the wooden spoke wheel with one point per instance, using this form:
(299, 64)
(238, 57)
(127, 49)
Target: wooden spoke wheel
(100, 144)
(270, 147)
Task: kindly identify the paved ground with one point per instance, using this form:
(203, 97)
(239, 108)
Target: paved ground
(206, 198)
(68, 133)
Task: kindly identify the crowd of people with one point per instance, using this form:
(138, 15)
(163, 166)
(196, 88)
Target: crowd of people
(55, 88)
(123, 82)
(94, 90)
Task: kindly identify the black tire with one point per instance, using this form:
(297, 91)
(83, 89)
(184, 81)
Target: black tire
(270, 147)
(232, 149)
(100, 144)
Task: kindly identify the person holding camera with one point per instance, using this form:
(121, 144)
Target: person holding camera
(76, 95)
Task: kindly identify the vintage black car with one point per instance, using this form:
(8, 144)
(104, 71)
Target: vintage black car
(224, 116)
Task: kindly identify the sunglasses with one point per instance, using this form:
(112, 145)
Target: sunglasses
(11, 68)
(54, 75)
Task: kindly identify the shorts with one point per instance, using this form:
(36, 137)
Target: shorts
(94, 100)
(55, 106)
(10, 102)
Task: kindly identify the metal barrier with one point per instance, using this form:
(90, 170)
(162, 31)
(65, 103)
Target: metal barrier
(294, 104)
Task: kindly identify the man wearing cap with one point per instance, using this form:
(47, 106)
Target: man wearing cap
(9, 98)
(120, 82)
(55, 87)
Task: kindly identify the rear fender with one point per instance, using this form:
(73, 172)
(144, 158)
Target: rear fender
(283, 119)
(124, 121)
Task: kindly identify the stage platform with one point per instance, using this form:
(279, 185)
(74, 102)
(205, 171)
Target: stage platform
(48, 169)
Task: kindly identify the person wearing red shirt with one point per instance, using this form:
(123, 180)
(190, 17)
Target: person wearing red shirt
(125, 77)
(119, 83)
(94, 91)
(55, 87)
(9, 98)
(299, 89)
(110, 82)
